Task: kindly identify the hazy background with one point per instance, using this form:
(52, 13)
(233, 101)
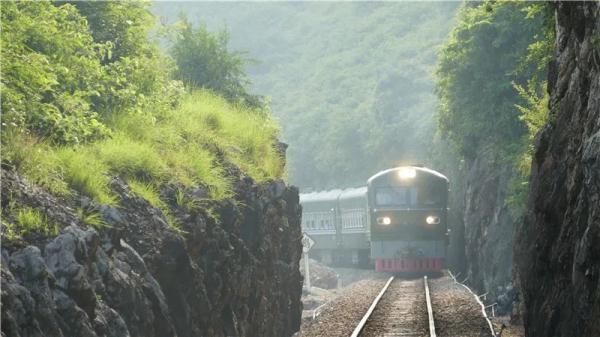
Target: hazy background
(351, 83)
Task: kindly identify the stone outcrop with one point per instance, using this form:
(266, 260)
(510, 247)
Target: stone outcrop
(481, 221)
(231, 270)
(488, 226)
(557, 247)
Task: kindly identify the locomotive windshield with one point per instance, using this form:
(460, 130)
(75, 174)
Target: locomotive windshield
(396, 196)
(432, 195)
(402, 196)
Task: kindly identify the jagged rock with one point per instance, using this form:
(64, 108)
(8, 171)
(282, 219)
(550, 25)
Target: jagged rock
(488, 225)
(238, 276)
(557, 250)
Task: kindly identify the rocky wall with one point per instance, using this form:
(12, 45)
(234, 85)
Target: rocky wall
(230, 271)
(488, 226)
(557, 247)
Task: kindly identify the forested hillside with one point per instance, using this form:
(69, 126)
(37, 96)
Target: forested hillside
(351, 83)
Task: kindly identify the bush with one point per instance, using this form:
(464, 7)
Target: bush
(50, 71)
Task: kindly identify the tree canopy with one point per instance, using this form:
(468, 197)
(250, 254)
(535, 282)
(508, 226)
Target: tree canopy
(477, 69)
(203, 61)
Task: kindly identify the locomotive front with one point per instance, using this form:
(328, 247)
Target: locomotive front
(408, 219)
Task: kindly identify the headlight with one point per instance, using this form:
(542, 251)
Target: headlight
(407, 173)
(432, 220)
(384, 220)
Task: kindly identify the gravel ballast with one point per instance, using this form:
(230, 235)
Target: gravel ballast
(455, 310)
(339, 317)
(401, 312)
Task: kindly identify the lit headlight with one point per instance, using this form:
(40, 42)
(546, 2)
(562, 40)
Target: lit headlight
(407, 173)
(384, 220)
(432, 220)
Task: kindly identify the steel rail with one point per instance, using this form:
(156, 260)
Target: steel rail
(429, 308)
(490, 325)
(365, 318)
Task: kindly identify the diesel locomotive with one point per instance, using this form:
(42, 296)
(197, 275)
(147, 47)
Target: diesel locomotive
(398, 222)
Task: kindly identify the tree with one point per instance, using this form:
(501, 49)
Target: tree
(203, 61)
(50, 71)
(476, 69)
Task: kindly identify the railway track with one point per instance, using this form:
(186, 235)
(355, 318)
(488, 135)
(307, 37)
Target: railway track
(401, 309)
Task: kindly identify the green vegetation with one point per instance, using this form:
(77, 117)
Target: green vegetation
(87, 95)
(491, 85)
(91, 218)
(175, 149)
(27, 220)
(351, 82)
(61, 83)
(203, 61)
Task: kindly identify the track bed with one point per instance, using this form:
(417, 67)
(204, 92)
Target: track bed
(403, 308)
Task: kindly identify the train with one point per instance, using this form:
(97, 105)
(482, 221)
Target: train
(398, 222)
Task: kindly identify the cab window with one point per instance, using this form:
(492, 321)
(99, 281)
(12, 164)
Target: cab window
(395, 196)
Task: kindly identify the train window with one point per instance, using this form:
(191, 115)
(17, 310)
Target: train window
(394, 196)
(431, 196)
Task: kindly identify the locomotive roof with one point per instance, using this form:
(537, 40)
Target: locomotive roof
(350, 193)
(320, 196)
(332, 195)
(424, 170)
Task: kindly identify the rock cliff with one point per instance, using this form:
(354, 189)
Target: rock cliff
(231, 270)
(557, 247)
(488, 225)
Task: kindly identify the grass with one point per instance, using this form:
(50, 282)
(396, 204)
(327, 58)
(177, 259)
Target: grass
(29, 220)
(35, 159)
(185, 145)
(246, 137)
(131, 158)
(92, 218)
(146, 191)
(86, 173)
(150, 193)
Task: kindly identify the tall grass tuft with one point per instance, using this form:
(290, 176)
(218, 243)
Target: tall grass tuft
(36, 160)
(87, 173)
(131, 158)
(30, 220)
(150, 193)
